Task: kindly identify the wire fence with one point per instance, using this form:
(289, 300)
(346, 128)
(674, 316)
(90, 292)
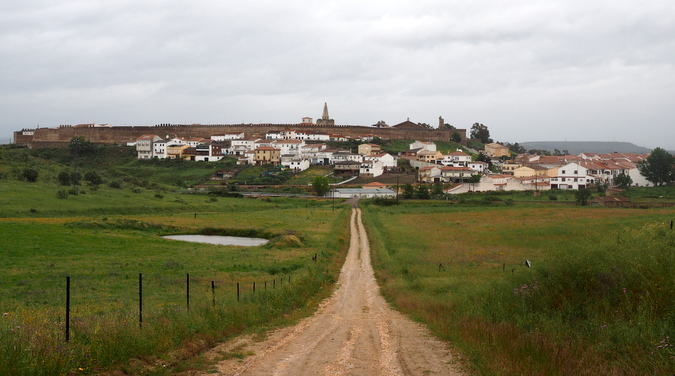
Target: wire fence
(96, 293)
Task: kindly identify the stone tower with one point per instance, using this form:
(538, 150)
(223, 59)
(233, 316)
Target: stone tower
(325, 119)
(441, 122)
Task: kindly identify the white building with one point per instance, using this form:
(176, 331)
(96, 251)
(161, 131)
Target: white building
(387, 160)
(371, 169)
(227, 136)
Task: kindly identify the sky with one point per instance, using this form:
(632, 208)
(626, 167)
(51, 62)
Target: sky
(554, 70)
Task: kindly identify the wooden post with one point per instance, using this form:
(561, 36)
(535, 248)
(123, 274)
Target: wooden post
(253, 286)
(67, 309)
(187, 290)
(140, 300)
(237, 291)
(213, 292)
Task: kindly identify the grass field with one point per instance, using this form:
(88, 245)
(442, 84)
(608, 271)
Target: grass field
(105, 238)
(597, 300)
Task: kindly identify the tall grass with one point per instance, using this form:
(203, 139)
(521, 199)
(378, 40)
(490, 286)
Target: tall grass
(597, 300)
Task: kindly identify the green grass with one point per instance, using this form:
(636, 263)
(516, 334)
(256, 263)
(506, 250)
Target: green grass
(306, 177)
(461, 270)
(103, 239)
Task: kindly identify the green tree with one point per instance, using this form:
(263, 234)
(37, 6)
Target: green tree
(437, 190)
(583, 196)
(422, 192)
(448, 126)
(320, 185)
(408, 191)
(516, 148)
(624, 181)
(65, 177)
(424, 125)
(658, 168)
(480, 132)
(456, 137)
(30, 174)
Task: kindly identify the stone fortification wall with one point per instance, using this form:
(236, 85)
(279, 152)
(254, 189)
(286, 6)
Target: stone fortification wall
(50, 137)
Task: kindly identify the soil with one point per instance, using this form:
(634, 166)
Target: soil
(354, 332)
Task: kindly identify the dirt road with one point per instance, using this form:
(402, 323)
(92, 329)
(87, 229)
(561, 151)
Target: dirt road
(354, 332)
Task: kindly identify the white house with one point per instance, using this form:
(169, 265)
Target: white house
(455, 174)
(371, 169)
(144, 145)
(241, 146)
(455, 159)
(298, 164)
(478, 166)
(289, 146)
(159, 149)
(573, 176)
(387, 160)
(344, 156)
(227, 136)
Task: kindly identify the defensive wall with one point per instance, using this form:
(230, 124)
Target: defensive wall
(61, 136)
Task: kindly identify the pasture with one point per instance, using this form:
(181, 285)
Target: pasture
(105, 238)
(597, 299)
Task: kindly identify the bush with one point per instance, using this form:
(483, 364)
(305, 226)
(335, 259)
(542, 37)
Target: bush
(159, 195)
(65, 177)
(384, 201)
(553, 197)
(30, 174)
(62, 194)
(116, 184)
(73, 191)
(137, 190)
(93, 178)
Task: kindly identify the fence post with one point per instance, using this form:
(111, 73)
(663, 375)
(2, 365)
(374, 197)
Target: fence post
(67, 309)
(213, 292)
(237, 291)
(289, 279)
(253, 286)
(274, 283)
(187, 290)
(265, 285)
(140, 300)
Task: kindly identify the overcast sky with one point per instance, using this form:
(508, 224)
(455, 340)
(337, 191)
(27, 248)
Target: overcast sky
(549, 70)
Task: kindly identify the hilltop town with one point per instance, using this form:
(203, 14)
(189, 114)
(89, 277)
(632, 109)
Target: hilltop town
(471, 166)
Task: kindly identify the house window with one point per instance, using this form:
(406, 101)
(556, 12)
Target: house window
(576, 172)
(563, 171)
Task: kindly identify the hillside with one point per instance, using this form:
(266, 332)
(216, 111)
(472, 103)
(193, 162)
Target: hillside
(576, 147)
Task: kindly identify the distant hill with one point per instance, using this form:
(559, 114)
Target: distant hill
(576, 147)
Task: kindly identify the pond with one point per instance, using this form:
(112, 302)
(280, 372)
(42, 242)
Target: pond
(219, 240)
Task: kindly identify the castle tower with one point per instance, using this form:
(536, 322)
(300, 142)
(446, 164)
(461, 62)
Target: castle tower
(441, 122)
(325, 119)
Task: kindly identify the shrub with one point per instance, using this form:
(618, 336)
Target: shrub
(30, 174)
(73, 191)
(384, 201)
(159, 195)
(62, 194)
(137, 190)
(65, 177)
(553, 197)
(116, 184)
(93, 178)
